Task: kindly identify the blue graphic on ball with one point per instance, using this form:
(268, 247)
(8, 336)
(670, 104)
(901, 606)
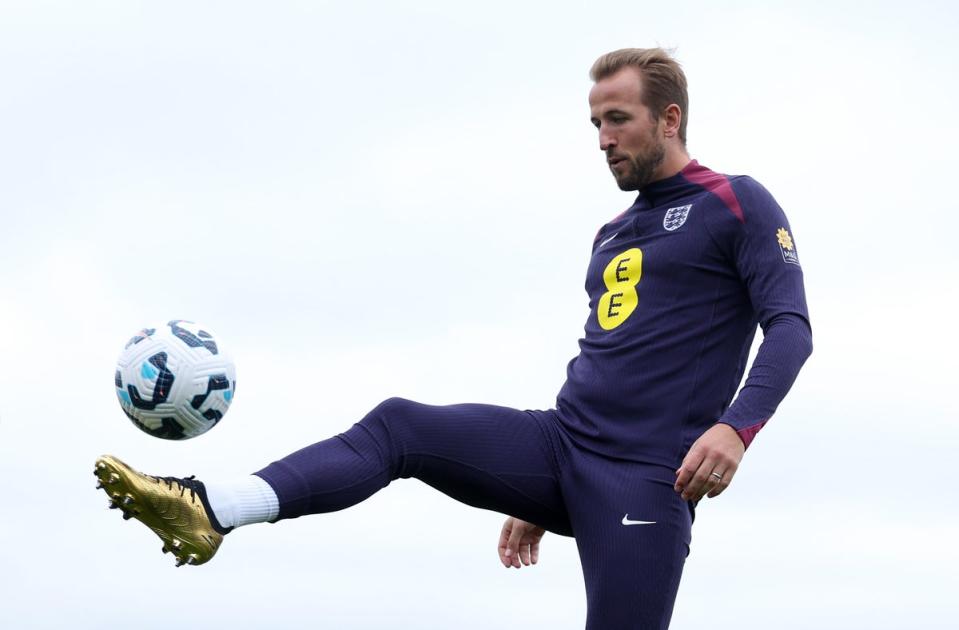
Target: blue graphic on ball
(147, 371)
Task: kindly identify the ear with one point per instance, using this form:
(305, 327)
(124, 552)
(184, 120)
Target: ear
(672, 117)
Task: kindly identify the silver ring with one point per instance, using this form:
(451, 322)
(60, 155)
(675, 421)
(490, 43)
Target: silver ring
(716, 475)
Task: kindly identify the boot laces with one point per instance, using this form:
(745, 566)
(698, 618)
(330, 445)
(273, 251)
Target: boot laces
(186, 483)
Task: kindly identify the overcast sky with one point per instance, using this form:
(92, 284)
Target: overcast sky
(376, 199)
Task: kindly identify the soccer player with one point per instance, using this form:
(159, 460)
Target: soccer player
(642, 429)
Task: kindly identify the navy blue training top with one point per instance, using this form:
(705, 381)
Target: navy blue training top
(677, 284)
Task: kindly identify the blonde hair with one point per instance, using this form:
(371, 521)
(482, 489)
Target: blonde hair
(663, 81)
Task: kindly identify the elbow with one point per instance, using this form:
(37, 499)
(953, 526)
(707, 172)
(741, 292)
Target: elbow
(803, 341)
(795, 330)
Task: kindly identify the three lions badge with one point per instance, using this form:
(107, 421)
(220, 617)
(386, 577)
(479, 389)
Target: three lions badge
(675, 217)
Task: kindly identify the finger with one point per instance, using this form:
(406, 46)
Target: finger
(721, 485)
(710, 484)
(504, 535)
(512, 546)
(524, 554)
(727, 467)
(688, 469)
(502, 548)
(534, 552)
(694, 489)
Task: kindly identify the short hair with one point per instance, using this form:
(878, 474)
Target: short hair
(663, 81)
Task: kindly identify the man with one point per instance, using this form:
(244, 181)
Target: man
(643, 427)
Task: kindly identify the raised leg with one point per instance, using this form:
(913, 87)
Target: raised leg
(486, 456)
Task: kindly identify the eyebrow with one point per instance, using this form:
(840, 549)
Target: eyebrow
(610, 113)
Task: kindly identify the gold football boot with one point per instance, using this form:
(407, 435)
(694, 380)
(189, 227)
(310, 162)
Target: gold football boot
(175, 509)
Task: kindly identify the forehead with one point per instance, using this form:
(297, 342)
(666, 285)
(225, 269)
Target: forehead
(620, 90)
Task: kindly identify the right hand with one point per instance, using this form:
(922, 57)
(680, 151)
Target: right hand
(519, 543)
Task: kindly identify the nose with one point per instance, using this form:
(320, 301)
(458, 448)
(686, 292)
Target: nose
(606, 139)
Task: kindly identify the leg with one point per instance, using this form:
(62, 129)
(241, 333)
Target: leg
(633, 534)
(490, 457)
(486, 456)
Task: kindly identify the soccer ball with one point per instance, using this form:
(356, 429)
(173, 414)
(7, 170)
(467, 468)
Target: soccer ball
(174, 380)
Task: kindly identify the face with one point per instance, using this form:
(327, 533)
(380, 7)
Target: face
(628, 135)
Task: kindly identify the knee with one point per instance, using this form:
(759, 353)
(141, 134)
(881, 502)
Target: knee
(392, 427)
(390, 416)
(393, 408)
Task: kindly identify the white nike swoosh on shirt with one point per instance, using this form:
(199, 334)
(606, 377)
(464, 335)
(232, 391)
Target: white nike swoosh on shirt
(626, 521)
(609, 239)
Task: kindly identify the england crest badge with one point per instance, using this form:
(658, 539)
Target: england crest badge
(675, 217)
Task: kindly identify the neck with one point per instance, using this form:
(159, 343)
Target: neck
(676, 160)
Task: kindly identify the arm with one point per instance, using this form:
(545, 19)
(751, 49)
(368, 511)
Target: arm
(787, 342)
(762, 248)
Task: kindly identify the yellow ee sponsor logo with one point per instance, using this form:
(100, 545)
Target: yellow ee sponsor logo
(621, 276)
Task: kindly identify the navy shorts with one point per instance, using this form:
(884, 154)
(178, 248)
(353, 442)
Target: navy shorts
(631, 529)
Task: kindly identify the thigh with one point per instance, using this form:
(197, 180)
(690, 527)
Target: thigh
(633, 534)
(487, 456)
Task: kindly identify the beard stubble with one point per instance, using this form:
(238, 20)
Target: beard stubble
(643, 167)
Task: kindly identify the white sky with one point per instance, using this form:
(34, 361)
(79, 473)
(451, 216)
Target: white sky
(367, 201)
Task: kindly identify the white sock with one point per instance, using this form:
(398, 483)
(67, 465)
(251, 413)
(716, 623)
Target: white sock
(242, 501)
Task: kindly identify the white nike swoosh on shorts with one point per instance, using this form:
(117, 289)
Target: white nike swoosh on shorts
(626, 521)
